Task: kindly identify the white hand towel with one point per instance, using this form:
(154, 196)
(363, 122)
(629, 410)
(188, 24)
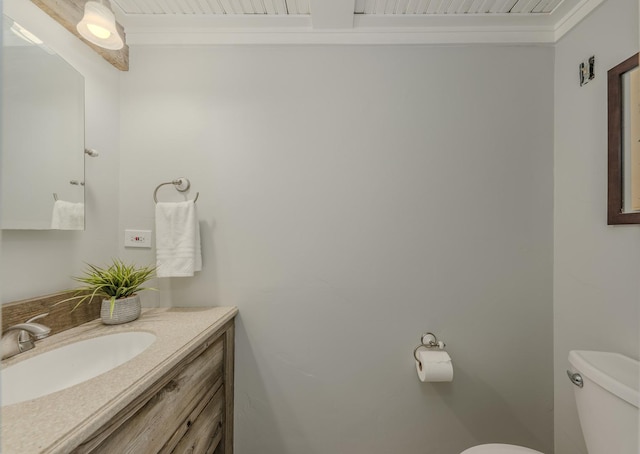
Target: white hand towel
(67, 215)
(178, 252)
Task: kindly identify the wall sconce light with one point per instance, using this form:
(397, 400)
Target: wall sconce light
(98, 25)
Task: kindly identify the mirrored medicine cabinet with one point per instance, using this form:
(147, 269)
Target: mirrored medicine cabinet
(42, 157)
(624, 143)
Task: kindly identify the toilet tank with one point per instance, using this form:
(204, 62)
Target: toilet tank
(608, 401)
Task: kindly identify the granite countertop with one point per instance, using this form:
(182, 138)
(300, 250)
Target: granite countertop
(60, 421)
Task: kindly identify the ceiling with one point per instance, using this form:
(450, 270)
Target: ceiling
(348, 21)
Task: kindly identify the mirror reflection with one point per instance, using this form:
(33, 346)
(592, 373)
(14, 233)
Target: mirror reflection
(631, 135)
(42, 160)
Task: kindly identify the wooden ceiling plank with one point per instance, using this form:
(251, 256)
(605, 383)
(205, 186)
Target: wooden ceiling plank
(444, 6)
(173, 7)
(412, 6)
(529, 7)
(184, 6)
(136, 6)
(207, 6)
(332, 14)
(258, 7)
(432, 5)
(190, 6)
(215, 6)
(292, 6)
(454, 7)
(155, 7)
(486, 6)
(540, 6)
(359, 7)
(552, 5)
(245, 6)
(237, 7)
(422, 7)
(163, 6)
(281, 6)
(303, 6)
(465, 6)
(228, 6)
(390, 7)
(476, 6)
(370, 7)
(519, 6)
(496, 6)
(509, 5)
(128, 6)
(401, 7)
(270, 7)
(142, 6)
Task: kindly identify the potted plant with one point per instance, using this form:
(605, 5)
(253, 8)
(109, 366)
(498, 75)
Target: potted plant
(118, 284)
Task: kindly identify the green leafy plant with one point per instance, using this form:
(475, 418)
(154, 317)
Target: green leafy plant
(118, 280)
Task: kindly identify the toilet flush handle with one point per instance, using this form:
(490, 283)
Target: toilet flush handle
(576, 379)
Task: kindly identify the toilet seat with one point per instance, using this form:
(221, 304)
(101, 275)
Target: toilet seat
(496, 448)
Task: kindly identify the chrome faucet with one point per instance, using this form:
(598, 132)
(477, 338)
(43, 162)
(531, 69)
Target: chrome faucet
(20, 338)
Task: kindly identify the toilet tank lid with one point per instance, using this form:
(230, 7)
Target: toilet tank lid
(618, 374)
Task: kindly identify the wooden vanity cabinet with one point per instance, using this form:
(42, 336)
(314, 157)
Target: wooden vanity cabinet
(189, 410)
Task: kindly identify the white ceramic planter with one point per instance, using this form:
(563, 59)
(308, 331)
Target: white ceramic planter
(125, 310)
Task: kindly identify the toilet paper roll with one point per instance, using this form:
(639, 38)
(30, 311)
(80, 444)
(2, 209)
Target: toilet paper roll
(436, 366)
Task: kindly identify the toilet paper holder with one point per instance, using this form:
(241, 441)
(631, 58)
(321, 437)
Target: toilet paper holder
(427, 340)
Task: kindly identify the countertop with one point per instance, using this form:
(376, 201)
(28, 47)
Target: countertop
(60, 421)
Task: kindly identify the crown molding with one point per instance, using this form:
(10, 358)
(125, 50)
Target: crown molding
(574, 17)
(147, 30)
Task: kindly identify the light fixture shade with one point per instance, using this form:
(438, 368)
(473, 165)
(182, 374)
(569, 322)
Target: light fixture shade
(98, 26)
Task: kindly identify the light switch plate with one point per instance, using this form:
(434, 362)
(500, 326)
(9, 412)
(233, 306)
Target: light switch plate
(137, 238)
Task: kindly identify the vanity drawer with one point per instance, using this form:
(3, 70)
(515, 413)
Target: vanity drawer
(157, 420)
(204, 433)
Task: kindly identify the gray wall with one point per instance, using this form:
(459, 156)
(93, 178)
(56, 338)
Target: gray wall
(352, 198)
(40, 262)
(597, 267)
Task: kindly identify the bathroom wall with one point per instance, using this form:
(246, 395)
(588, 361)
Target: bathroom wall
(597, 267)
(352, 198)
(40, 262)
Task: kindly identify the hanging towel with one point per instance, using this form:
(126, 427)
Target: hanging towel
(67, 215)
(178, 251)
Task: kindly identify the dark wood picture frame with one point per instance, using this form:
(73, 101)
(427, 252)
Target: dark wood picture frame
(615, 200)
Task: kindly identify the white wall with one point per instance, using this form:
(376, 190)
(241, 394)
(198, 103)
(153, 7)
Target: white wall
(52, 256)
(352, 198)
(597, 267)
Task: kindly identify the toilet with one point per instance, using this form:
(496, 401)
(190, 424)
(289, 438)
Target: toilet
(500, 449)
(607, 393)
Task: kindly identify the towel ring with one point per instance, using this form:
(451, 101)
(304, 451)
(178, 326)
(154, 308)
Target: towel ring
(181, 184)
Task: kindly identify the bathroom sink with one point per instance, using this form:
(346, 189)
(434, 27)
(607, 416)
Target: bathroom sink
(70, 365)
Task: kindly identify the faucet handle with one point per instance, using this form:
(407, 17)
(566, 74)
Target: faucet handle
(37, 317)
(42, 330)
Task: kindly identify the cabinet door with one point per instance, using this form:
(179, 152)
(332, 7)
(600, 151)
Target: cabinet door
(205, 432)
(152, 428)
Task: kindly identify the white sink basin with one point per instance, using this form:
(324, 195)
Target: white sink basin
(66, 366)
